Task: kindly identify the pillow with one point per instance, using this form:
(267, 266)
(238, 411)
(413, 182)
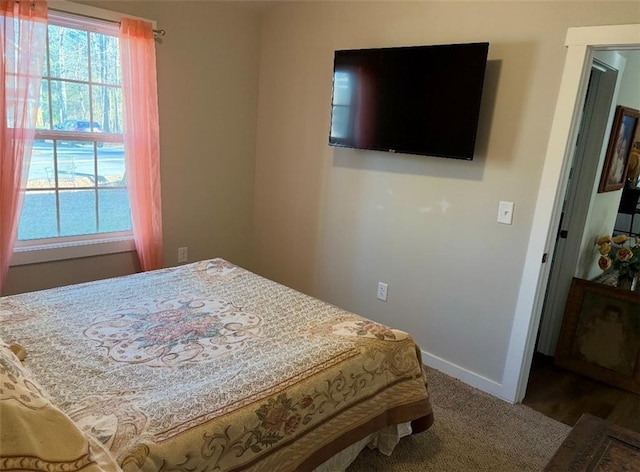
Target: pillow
(35, 435)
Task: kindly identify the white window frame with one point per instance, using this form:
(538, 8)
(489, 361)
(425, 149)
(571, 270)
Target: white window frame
(53, 249)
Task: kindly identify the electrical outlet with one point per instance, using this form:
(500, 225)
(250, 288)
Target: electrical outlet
(183, 254)
(382, 291)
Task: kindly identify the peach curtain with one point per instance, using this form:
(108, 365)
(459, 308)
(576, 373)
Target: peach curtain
(23, 29)
(141, 139)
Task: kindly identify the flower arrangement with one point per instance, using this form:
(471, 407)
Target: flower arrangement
(619, 253)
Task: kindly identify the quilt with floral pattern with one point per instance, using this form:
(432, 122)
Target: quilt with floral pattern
(208, 366)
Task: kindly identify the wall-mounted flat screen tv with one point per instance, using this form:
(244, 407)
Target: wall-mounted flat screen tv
(416, 100)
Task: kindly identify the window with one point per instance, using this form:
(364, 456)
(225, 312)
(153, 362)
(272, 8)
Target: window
(76, 190)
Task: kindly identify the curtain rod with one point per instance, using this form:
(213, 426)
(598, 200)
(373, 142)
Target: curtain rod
(156, 32)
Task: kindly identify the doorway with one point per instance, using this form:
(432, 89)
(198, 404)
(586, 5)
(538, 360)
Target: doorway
(586, 214)
(572, 237)
(581, 43)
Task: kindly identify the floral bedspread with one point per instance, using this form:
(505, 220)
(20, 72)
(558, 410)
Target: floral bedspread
(208, 366)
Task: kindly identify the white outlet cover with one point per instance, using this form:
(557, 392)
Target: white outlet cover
(505, 213)
(382, 291)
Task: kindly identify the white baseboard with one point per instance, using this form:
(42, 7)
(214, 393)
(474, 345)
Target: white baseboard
(466, 376)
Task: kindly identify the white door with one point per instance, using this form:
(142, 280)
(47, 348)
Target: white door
(606, 71)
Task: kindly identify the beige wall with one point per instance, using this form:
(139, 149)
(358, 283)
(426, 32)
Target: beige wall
(629, 95)
(333, 222)
(207, 93)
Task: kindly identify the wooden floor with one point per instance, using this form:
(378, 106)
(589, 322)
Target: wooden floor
(564, 396)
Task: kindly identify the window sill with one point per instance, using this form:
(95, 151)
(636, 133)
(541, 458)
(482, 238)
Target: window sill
(34, 254)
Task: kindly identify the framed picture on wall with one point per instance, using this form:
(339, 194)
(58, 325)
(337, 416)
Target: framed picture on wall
(623, 132)
(600, 335)
(633, 166)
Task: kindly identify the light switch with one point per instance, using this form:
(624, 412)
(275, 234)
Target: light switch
(505, 213)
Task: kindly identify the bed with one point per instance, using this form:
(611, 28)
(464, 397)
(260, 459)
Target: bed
(205, 366)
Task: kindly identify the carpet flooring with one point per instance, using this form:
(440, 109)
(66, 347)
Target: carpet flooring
(472, 432)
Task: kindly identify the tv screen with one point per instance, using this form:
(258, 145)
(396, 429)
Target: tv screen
(415, 100)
